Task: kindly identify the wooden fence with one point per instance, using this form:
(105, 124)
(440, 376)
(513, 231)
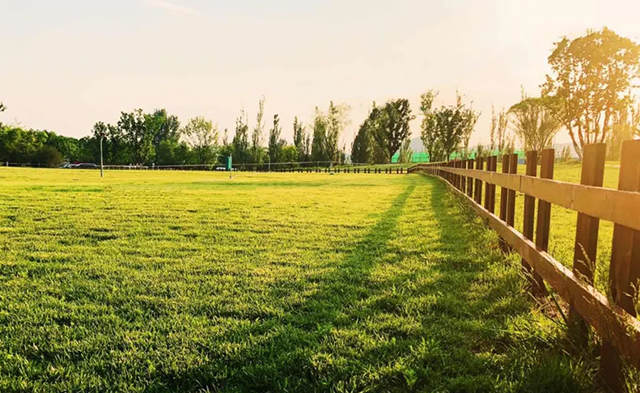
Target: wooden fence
(614, 317)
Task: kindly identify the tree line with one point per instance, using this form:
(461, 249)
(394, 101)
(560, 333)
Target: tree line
(589, 93)
(159, 138)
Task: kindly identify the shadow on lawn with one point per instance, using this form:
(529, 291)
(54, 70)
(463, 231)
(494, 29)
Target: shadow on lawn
(285, 358)
(457, 343)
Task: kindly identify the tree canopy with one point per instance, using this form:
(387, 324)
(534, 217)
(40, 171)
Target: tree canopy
(447, 129)
(535, 122)
(591, 79)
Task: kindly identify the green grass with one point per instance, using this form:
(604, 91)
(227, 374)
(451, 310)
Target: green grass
(187, 281)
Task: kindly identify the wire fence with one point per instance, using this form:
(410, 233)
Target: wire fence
(251, 167)
(245, 167)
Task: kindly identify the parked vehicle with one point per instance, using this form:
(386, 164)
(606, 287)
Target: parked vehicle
(84, 165)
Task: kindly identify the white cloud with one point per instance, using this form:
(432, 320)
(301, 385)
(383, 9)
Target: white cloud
(171, 7)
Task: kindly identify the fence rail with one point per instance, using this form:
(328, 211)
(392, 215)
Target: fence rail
(614, 319)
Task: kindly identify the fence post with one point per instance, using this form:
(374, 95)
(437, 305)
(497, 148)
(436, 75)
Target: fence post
(456, 178)
(494, 168)
(535, 280)
(504, 192)
(478, 196)
(544, 208)
(447, 175)
(511, 200)
(463, 182)
(489, 195)
(624, 271)
(470, 180)
(454, 164)
(586, 245)
(504, 200)
(487, 186)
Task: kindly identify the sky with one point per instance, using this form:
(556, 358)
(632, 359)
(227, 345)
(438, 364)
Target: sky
(67, 64)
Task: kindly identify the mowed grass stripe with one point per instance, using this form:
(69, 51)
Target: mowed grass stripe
(171, 281)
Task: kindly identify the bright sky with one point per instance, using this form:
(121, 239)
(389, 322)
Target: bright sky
(67, 64)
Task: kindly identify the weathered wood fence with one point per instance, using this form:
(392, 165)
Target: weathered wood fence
(614, 317)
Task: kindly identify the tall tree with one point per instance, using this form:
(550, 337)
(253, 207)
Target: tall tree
(499, 126)
(447, 129)
(307, 147)
(162, 126)
(429, 130)
(626, 126)
(392, 128)
(361, 149)
(2, 109)
(289, 154)
(336, 122)
(405, 152)
(203, 138)
(592, 80)
(225, 138)
(139, 137)
(241, 139)
(452, 123)
(276, 144)
(534, 122)
(256, 137)
(318, 150)
(470, 124)
(300, 140)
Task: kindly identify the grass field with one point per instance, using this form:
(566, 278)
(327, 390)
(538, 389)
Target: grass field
(190, 281)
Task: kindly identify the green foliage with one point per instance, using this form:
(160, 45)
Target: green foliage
(136, 139)
(170, 152)
(187, 281)
(139, 137)
(405, 152)
(163, 126)
(289, 154)
(447, 129)
(225, 137)
(241, 140)
(391, 126)
(498, 134)
(592, 78)
(626, 127)
(301, 140)
(471, 119)
(318, 148)
(48, 156)
(362, 147)
(2, 109)
(327, 129)
(336, 121)
(24, 146)
(203, 138)
(276, 144)
(257, 151)
(535, 122)
(429, 130)
(378, 135)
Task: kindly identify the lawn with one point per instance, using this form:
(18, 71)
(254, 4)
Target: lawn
(191, 281)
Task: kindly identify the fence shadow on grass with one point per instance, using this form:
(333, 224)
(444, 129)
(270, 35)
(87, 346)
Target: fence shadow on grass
(457, 339)
(483, 294)
(284, 359)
